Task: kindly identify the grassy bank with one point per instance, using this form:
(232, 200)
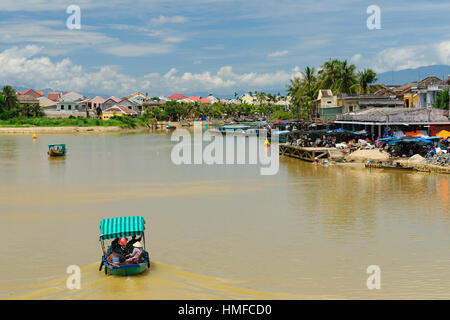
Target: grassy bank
(123, 122)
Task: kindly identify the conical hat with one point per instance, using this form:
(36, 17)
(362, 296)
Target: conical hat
(137, 245)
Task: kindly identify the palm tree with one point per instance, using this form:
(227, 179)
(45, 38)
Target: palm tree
(338, 76)
(303, 91)
(295, 90)
(10, 98)
(329, 73)
(2, 103)
(310, 82)
(365, 78)
(347, 78)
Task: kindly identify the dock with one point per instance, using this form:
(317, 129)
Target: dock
(309, 153)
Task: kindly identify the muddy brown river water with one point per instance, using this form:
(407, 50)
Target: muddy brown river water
(221, 231)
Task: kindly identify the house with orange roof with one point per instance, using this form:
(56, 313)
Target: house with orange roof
(54, 96)
(33, 93)
(27, 99)
(176, 96)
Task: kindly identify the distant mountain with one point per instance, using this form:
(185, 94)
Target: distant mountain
(410, 75)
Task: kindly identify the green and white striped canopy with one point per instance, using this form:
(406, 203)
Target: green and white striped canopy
(121, 227)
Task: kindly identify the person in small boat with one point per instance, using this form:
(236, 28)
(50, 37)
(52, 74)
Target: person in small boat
(120, 248)
(114, 246)
(132, 241)
(135, 256)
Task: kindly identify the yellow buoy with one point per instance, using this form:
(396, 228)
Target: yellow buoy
(34, 136)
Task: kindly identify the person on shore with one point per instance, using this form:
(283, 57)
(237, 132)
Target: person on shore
(135, 256)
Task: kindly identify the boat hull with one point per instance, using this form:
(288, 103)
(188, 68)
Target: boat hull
(53, 153)
(126, 270)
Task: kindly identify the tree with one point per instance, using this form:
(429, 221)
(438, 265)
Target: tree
(442, 100)
(310, 81)
(158, 113)
(329, 73)
(339, 76)
(2, 104)
(10, 98)
(303, 92)
(294, 89)
(365, 78)
(347, 79)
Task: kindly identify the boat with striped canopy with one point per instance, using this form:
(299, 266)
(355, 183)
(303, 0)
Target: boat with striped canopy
(122, 227)
(57, 150)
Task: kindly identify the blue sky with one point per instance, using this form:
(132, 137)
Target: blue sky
(214, 46)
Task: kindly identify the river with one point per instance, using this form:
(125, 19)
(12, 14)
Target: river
(216, 231)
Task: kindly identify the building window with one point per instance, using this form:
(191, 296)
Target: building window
(69, 107)
(62, 107)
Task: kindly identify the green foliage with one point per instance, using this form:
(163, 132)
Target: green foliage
(59, 122)
(11, 108)
(282, 115)
(303, 92)
(157, 113)
(365, 78)
(125, 121)
(10, 101)
(442, 100)
(339, 76)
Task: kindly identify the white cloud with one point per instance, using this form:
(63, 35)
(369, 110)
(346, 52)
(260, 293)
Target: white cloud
(224, 80)
(165, 19)
(56, 39)
(278, 53)
(133, 50)
(171, 39)
(215, 47)
(51, 33)
(26, 67)
(407, 57)
(356, 58)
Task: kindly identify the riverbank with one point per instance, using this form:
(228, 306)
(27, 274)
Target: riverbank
(405, 165)
(373, 158)
(86, 129)
(70, 130)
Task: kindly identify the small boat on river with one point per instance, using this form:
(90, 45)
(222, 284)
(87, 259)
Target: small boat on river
(56, 150)
(123, 227)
